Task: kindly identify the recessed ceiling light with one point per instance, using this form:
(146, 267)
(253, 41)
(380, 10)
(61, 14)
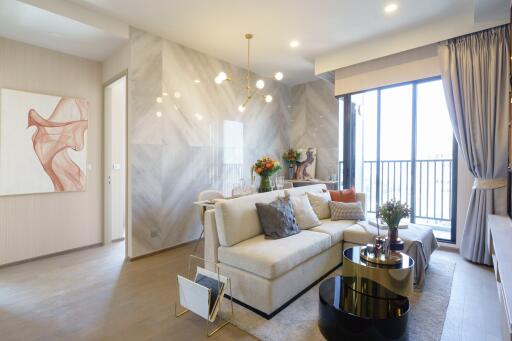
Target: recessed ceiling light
(158, 114)
(294, 43)
(159, 100)
(390, 8)
(198, 116)
(177, 94)
(165, 94)
(197, 81)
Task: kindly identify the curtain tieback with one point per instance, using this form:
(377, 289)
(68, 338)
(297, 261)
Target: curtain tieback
(489, 183)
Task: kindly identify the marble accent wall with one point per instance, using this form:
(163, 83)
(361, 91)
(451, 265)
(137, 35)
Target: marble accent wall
(314, 111)
(195, 139)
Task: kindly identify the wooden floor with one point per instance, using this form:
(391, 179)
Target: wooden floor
(94, 295)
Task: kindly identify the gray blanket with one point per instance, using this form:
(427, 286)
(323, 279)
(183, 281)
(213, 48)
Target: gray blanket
(419, 243)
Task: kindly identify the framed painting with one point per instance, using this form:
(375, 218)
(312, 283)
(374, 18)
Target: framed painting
(43, 143)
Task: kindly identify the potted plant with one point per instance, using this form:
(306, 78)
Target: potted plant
(391, 213)
(265, 168)
(291, 157)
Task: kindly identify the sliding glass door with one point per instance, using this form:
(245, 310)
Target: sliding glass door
(400, 146)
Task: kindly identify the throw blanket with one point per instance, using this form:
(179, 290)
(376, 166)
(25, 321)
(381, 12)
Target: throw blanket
(419, 243)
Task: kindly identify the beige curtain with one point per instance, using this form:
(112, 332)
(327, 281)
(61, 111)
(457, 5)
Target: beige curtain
(475, 71)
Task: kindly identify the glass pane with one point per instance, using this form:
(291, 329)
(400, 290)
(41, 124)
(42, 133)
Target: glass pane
(396, 143)
(364, 106)
(435, 159)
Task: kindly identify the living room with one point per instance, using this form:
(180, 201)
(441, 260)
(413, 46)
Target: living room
(272, 170)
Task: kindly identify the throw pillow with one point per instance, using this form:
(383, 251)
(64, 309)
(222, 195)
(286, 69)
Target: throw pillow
(320, 204)
(345, 195)
(303, 212)
(276, 219)
(346, 210)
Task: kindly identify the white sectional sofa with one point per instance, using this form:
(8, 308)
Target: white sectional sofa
(266, 274)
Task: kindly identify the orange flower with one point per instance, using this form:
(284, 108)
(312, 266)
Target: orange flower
(269, 165)
(258, 170)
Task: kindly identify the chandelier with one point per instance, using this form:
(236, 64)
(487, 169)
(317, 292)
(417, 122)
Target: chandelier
(250, 91)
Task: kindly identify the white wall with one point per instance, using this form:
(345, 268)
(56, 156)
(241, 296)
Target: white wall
(116, 64)
(36, 225)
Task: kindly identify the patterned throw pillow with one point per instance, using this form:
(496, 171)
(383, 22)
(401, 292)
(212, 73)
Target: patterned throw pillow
(276, 218)
(320, 204)
(346, 211)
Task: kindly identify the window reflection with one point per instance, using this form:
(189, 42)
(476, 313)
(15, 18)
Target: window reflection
(233, 155)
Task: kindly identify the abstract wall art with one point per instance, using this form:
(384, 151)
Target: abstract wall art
(306, 165)
(43, 143)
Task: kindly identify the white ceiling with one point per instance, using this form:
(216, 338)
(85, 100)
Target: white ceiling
(53, 30)
(332, 33)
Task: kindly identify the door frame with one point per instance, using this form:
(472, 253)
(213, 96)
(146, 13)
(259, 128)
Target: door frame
(107, 160)
(349, 148)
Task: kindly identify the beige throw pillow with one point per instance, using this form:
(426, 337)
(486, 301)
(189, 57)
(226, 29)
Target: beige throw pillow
(303, 212)
(320, 204)
(346, 210)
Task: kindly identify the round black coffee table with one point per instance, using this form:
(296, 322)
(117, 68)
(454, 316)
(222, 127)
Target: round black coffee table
(345, 314)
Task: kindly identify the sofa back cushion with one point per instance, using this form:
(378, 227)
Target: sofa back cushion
(318, 188)
(237, 219)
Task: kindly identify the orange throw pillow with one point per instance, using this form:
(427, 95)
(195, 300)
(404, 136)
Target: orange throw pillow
(345, 195)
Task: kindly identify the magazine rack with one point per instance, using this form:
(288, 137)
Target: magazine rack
(203, 294)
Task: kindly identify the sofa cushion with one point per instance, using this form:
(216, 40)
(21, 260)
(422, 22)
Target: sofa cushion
(277, 218)
(356, 234)
(237, 219)
(318, 188)
(334, 229)
(346, 210)
(303, 212)
(271, 258)
(320, 204)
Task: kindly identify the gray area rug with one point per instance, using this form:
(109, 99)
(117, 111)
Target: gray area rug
(299, 320)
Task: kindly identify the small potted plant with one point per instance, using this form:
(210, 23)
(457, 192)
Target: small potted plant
(391, 213)
(265, 168)
(291, 157)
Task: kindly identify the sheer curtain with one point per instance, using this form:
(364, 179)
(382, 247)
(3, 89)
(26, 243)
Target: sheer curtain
(475, 71)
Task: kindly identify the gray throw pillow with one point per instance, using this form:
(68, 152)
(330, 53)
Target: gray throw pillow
(346, 210)
(277, 219)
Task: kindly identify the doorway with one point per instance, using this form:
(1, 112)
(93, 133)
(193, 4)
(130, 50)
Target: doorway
(115, 94)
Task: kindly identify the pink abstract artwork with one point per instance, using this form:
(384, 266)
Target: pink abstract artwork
(43, 143)
(63, 130)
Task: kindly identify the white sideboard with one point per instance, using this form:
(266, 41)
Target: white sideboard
(500, 240)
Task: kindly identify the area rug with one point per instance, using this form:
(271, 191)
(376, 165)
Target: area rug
(298, 321)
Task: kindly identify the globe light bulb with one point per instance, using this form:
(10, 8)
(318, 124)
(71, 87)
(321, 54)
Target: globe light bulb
(158, 114)
(260, 84)
(159, 100)
(278, 76)
(221, 77)
(177, 94)
(241, 108)
(268, 98)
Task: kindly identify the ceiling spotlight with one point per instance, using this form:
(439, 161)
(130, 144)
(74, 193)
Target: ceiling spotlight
(158, 114)
(165, 94)
(159, 100)
(294, 43)
(278, 76)
(268, 98)
(260, 84)
(197, 81)
(241, 108)
(177, 94)
(390, 8)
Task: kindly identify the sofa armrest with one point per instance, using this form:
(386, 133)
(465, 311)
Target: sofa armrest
(362, 198)
(211, 239)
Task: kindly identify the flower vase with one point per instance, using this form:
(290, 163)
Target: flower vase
(265, 185)
(393, 234)
(291, 172)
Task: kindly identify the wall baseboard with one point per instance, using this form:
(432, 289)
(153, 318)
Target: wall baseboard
(81, 248)
(161, 250)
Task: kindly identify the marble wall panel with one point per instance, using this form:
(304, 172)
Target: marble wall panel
(181, 144)
(315, 111)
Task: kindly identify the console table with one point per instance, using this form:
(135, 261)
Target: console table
(500, 245)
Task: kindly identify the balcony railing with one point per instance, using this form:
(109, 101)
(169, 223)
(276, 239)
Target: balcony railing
(433, 186)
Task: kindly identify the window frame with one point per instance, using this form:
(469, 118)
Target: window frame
(349, 148)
